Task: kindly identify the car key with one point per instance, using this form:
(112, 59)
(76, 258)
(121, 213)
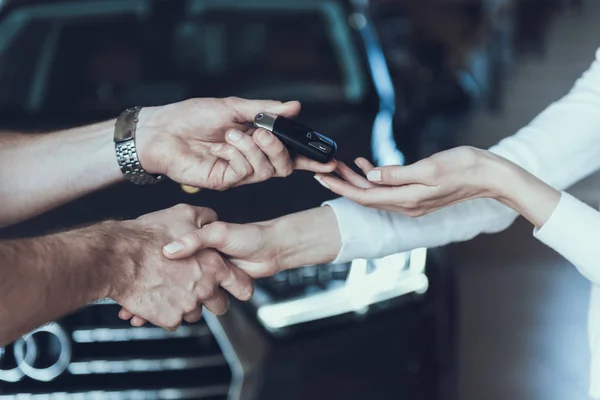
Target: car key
(298, 138)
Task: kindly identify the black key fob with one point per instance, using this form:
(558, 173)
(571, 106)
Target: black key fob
(298, 138)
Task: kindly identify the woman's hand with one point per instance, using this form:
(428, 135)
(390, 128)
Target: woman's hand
(443, 179)
(446, 178)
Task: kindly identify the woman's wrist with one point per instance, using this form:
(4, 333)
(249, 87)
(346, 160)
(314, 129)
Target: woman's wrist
(518, 189)
(305, 238)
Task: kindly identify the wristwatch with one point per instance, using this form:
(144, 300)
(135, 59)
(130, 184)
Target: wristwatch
(125, 149)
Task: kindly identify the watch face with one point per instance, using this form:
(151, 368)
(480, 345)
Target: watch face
(126, 124)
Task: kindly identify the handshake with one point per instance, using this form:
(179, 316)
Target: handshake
(181, 259)
(188, 259)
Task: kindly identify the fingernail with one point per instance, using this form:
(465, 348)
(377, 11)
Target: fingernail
(235, 135)
(318, 178)
(290, 102)
(374, 175)
(265, 137)
(173, 247)
(216, 147)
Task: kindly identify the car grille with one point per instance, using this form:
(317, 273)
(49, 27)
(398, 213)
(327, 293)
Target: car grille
(305, 281)
(95, 355)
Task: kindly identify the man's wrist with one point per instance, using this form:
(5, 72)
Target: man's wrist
(146, 135)
(115, 256)
(305, 238)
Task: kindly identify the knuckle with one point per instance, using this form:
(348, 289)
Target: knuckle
(211, 259)
(172, 323)
(437, 170)
(232, 100)
(207, 214)
(247, 171)
(227, 276)
(266, 173)
(206, 292)
(469, 155)
(249, 287)
(287, 170)
(230, 151)
(190, 305)
(219, 231)
(222, 310)
(185, 210)
(393, 173)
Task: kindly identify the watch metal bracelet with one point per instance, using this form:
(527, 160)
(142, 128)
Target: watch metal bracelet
(125, 149)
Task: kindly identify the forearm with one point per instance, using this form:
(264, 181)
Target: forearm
(306, 238)
(44, 278)
(43, 171)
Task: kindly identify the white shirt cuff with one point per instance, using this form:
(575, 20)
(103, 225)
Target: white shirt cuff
(359, 227)
(572, 231)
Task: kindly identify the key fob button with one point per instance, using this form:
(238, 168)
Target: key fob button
(320, 146)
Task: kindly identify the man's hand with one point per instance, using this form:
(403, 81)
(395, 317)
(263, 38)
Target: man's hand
(265, 248)
(212, 143)
(203, 143)
(166, 292)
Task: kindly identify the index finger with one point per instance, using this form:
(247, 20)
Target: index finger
(380, 195)
(306, 164)
(237, 282)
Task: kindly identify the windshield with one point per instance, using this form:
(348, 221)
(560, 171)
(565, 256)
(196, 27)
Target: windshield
(58, 59)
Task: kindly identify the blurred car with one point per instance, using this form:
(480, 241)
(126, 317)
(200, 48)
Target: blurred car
(369, 329)
(447, 59)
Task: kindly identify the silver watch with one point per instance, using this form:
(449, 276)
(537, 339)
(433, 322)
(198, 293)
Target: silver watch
(125, 149)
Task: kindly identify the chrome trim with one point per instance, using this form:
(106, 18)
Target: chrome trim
(245, 349)
(128, 334)
(159, 394)
(144, 365)
(27, 351)
(265, 121)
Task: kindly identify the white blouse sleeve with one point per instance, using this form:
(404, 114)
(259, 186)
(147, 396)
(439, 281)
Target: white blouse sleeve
(573, 230)
(560, 146)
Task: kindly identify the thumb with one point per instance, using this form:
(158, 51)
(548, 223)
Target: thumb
(210, 236)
